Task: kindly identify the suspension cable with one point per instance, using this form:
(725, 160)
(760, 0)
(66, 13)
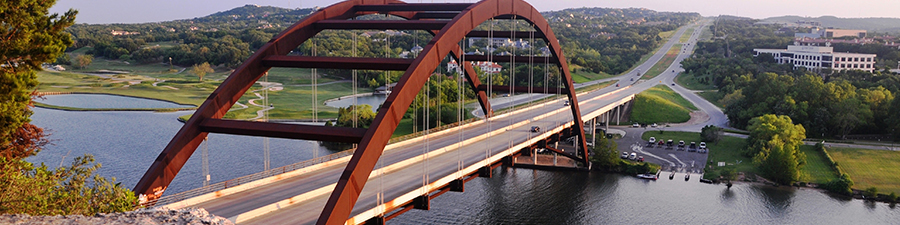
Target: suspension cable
(205, 160)
(314, 87)
(355, 97)
(266, 107)
(460, 91)
(512, 76)
(490, 53)
(531, 65)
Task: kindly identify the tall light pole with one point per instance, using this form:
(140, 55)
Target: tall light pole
(170, 63)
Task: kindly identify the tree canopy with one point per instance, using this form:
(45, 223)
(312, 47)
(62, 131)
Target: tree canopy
(774, 143)
(31, 37)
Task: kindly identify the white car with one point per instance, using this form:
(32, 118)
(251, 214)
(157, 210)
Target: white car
(624, 155)
(702, 145)
(633, 156)
(652, 139)
(635, 125)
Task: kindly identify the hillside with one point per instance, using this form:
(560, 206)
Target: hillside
(887, 25)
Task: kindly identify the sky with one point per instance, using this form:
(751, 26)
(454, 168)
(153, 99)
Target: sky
(135, 11)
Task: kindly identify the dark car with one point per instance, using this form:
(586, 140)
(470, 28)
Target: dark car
(535, 129)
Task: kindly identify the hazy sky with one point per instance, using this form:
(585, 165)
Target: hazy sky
(132, 11)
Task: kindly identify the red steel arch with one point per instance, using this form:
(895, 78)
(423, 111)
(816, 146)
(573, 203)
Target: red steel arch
(464, 18)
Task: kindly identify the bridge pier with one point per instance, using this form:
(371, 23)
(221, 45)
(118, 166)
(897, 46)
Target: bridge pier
(458, 185)
(378, 220)
(422, 202)
(485, 172)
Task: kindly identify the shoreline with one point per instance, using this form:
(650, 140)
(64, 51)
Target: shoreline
(66, 108)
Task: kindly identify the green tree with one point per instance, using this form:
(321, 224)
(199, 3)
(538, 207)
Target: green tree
(871, 192)
(841, 185)
(201, 70)
(605, 154)
(26, 189)
(710, 133)
(774, 143)
(364, 116)
(30, 36)
(82, 61)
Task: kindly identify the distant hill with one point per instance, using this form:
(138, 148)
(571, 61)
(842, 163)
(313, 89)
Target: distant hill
(254, 12)
(887, 25)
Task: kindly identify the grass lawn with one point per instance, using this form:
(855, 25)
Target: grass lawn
(712, 97)
(583, 76)
(188, 93)
(686, 35)
(870, 168)
(661, 104)
(706, 34)
(817, 169)
(663, 63)
(667, 34)
(690, 82)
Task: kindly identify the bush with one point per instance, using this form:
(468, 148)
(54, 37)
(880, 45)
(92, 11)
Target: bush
(26, 189)
(840, 186)
(871, 192)
(892, 197)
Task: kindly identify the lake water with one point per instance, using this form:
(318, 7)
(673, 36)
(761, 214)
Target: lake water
(101, 101)
(127, 142)
(373, 100)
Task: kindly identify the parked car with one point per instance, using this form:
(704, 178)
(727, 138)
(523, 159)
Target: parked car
(633, 156)
(535, 129)
(653, 125)
(624, 155)
(640, 159)
(692, 147)
(652, 139)
(635, 125)
(681, 144)
(702, 145)
(670, 143)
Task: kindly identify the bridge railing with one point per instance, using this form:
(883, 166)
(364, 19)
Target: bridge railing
(168, 199)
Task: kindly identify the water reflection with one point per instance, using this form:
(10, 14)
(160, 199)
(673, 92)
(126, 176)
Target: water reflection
(776, 199)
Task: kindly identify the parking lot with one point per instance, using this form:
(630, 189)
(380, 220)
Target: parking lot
(670, 158)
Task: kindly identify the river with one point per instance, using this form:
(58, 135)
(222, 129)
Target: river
(127, 142)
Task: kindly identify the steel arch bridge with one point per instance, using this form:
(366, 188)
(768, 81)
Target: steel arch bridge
(449, 22)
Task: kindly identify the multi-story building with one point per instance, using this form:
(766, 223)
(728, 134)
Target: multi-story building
(817, 32)
(820, 57)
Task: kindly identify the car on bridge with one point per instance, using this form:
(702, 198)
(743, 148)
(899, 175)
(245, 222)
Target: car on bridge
(535, 129)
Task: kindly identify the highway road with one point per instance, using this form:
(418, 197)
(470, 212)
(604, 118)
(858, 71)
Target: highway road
(513, 128)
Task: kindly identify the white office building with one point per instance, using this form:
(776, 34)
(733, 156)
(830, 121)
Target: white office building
(820, 57)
